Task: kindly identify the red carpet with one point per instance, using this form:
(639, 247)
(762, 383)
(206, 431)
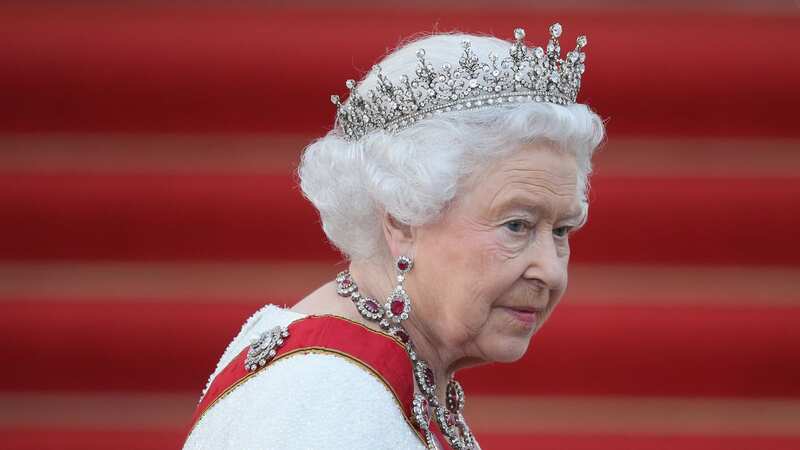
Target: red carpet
(689, 362)
(240, 217)
(622, 350)
(178, 69)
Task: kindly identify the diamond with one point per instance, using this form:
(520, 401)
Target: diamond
(555, 30)
(424, 378)
(264, 348)
(519, 34)
(421, 411)
(538, 52)
(582, 41)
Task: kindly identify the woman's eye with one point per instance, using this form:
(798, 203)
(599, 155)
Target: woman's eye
(562, 231)
(515, 226)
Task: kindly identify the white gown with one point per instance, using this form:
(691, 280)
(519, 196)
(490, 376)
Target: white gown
(304, 401)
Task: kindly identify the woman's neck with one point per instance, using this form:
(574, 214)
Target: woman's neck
(377, 281)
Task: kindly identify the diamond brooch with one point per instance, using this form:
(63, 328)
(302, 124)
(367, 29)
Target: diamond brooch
(264, 348)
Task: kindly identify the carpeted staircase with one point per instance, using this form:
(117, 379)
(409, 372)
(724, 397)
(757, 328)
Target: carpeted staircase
(148, 206)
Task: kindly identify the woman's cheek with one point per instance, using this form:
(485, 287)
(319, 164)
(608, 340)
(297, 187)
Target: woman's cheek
(507, 245)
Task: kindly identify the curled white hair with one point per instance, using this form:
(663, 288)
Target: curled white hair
(414, 173)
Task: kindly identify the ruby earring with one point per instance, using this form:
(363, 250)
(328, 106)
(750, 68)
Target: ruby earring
(398, 304)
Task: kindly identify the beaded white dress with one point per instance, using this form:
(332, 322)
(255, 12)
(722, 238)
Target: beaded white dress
(304, 401)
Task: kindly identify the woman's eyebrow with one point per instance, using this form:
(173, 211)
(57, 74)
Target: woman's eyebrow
(575, 213)
(523, 202)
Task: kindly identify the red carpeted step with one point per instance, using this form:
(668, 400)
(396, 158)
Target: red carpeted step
(262, 68)
(252, 217)
(89, 439)
(583, 350)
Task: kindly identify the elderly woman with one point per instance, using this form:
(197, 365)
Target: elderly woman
(452, 180)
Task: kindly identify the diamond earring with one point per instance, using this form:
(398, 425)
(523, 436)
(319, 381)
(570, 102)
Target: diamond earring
(398, 304)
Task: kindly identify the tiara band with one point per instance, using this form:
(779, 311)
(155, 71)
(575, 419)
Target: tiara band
(525, 75)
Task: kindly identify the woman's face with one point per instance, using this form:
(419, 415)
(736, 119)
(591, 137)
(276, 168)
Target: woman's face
(491, 270)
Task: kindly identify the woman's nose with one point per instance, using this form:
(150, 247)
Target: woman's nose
(544, 262)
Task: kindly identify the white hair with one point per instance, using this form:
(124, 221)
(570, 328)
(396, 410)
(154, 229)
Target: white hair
(413, 174)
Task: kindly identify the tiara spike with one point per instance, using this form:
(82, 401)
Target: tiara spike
(518, 52)
(555, 30)
(523, 75)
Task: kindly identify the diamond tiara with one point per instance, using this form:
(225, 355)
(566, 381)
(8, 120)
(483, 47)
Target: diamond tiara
(535, 74)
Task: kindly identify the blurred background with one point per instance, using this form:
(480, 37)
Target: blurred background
(148, 206)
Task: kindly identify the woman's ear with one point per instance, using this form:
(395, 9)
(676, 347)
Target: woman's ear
(400, 237)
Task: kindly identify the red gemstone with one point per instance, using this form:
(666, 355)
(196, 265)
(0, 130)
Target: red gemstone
(452, 399)
(398, 306)
(402, 265)
(346, 283)
(451, 420)
(429, 376)
(371, 306)
(402, 335)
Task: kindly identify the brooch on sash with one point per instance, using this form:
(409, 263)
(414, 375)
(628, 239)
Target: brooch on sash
(264, 347)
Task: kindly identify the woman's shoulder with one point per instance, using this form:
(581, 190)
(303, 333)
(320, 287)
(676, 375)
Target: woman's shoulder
(269, 316)
(334, 384)
(266, 318)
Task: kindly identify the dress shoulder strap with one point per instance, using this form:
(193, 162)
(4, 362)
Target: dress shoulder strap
(379, 353)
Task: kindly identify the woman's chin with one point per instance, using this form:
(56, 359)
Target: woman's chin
(510, 349)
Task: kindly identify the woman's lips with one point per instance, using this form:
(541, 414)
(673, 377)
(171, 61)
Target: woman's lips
(526, 316)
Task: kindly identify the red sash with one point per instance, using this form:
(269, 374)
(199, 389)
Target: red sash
(381, 354)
